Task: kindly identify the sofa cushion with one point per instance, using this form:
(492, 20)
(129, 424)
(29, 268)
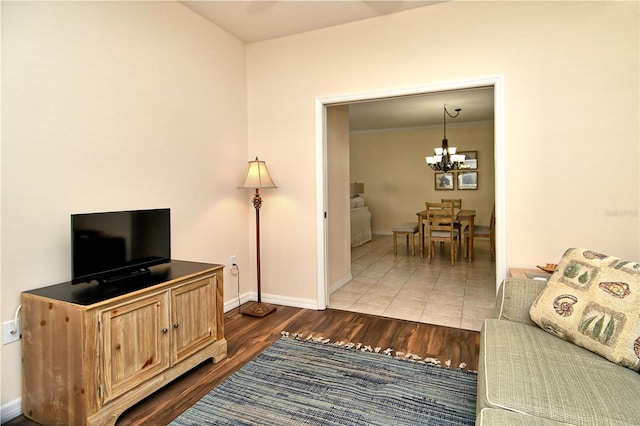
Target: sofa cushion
(593, 301)
(526, 370)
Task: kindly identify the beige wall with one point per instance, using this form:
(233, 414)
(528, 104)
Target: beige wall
(570, 72)
(339, 226)
(398, 181)
(110, 106)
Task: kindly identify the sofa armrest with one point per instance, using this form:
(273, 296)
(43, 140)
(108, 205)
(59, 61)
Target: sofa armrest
(515, 297)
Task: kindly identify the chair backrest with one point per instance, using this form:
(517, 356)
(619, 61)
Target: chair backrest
(481, 231)
(440, 221)
(457, 202)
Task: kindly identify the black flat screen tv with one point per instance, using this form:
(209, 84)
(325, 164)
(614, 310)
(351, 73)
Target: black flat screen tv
(110, 246)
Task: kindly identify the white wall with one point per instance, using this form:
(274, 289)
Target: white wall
(570, 72)
(110, 106)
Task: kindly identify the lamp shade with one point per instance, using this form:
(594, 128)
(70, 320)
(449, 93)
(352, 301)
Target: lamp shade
(357, 188)
(258, 176)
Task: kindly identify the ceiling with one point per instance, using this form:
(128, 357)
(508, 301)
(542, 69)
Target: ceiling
(260, 20)
(423, 110)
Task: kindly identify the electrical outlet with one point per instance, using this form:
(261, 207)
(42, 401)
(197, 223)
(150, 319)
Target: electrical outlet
(232, 261)
(7, 337)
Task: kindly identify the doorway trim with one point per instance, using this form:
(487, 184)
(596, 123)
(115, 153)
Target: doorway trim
(321, 104)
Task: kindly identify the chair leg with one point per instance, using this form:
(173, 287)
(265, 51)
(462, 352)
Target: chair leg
(413, 244)
(453, 251)
(395, 243)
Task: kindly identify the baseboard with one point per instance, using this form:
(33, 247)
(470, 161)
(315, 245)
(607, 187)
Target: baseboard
(235, 302)
(11, 410)
(294, 302)
(338, 284)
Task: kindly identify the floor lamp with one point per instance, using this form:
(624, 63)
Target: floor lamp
(258, 177)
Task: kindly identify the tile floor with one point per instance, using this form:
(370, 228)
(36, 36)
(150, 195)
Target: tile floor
(409, 288)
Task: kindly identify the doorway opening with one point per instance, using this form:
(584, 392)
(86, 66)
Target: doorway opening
(325, 187)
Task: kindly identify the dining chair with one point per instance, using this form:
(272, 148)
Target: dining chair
(440, 228)
(457, 206)
(457, 202)
(482, 231)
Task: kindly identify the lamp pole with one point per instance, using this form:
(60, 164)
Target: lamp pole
(257, 203)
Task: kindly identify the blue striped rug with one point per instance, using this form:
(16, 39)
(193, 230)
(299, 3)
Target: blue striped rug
(297, 382)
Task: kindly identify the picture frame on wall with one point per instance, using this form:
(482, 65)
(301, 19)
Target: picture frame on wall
(444, 181)
(467, 180)
(470, 160)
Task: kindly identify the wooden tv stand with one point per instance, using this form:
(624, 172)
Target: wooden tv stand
(92, 351)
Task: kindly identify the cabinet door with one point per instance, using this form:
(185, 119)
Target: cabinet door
(193, 314)
(135, 343)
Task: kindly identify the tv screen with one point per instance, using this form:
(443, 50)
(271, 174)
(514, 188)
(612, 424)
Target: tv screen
(112, 245)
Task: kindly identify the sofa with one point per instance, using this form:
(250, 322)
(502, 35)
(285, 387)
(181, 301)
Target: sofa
(533, 375)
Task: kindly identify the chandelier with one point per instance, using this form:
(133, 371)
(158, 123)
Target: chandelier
(445, 158)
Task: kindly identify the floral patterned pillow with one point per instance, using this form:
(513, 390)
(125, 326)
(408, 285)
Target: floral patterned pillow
(593, 301)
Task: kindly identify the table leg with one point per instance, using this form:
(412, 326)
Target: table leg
(470, 248)
(420, 237)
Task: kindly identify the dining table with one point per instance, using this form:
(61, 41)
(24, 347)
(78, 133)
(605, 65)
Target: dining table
(463, 216)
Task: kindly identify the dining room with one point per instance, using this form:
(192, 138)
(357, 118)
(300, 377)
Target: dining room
(391, 165)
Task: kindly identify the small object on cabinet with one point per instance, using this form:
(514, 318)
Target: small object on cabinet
(549, 267)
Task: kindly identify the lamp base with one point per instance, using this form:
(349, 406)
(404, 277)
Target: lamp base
(258, 310)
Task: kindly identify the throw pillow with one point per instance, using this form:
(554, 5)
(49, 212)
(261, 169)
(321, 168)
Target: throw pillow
(593, 301)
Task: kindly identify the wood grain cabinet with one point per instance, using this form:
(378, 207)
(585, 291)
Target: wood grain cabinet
(88, 355)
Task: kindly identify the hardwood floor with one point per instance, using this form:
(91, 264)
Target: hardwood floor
(247, 337)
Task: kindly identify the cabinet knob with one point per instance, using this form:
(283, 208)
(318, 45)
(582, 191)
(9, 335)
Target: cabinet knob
(165, 330)
(176, 325)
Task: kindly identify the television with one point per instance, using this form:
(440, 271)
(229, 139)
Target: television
(111, 246)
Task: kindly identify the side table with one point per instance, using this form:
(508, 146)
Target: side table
(532, 274)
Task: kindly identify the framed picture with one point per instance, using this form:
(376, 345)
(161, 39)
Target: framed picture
(467, 180)
(470, 160)
(444, 181)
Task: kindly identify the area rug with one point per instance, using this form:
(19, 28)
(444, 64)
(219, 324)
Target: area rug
(305, 382)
